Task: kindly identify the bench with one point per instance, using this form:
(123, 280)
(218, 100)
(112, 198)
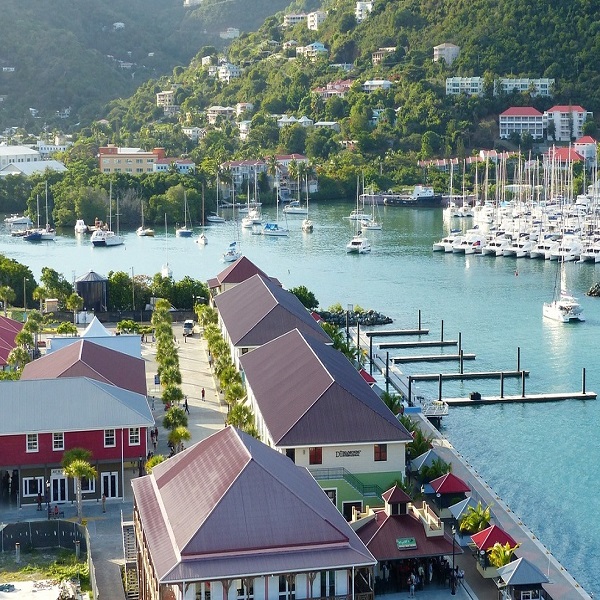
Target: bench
(56, 515)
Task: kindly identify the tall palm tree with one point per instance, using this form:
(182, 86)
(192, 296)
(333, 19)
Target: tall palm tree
(75, 304)
(76, 465)
(18, 358)
(178, 436)
(240, 416)
(8, 296)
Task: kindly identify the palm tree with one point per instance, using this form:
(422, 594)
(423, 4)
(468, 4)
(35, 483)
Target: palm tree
(475, 519)
(437, 468)
(76, 465)
(240, 416)
(153, 461)
(8, 296)
(177, 437)
(74, 303)
(420, 444)
(392, 401)
(18, 358)
(170, 375)
(234, 393)
(40, 293)
(228, 376)
(501, 555)
(172, 395)
(175, 417)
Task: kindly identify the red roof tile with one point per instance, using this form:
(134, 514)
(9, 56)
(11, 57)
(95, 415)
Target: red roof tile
(521, 111)
(239, 271)
(449, 484)
(565, 108)
(395, 495)
(484, 540)
(8, 331)
(586, 139)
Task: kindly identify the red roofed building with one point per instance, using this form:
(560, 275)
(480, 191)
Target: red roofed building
(446, 491)
(567, 122)
(8, 331)
(520, 120)
(232, 519)
(240, 270)
(587, 146)
(562, 157)
(337, 88)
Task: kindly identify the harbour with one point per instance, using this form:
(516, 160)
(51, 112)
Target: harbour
(496, 310)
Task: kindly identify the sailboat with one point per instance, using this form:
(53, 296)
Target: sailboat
(34, 235)
(216, 218)
(166, 270)
(564, 307)
(184, 231)
(371, 223)
(108, 237)
(48, 233)
(307, 224)
(232, 253)
(202, 239)
(274, 229)
(359, 244)
(144, 231)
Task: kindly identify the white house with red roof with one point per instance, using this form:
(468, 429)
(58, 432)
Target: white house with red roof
(568, 121)
(232, 519)
(561, 157)
(520, 120)
(587, 147)
(337, 88)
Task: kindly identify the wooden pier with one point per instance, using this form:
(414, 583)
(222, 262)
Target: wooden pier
(529, 398)
(421, 344)
(474, 375)
(393, 332)
(432, 358)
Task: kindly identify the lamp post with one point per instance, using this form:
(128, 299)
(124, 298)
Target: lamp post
(25, 280)
(349, 309)
(453, 579)
(132, 292)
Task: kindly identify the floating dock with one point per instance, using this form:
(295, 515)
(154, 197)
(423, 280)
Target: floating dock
(422, 344)
(392, 332)
(474, 375)
(432, 358)
(529, 398)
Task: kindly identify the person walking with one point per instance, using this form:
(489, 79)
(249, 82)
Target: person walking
(411, 585)
(39, 501)
(185, 405)
(203, 394)
(103, 503)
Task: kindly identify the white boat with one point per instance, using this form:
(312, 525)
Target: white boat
(471, 243)
(307, 224)
(359, 244)
(48, 233)
(495, 246)
(184, 231)
(568, 250)
(372, 223)
(215, 218)
(202, 239)
(358, 215)
(80, 226)
(232, 253)
(107, 237)
(142, 230)
(275, 229)
(446, 243)
(544, 248)
(15, 219)
(295, 208)
(520, 247)
(166, 271)
(591, 252)
(564, 308)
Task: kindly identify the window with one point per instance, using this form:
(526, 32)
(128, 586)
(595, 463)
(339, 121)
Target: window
(109, 438)
(315, 455)
(332, 495)
(246, 589)
(380, 452)
(58, 441)
(32, 442)
(327, 584)
(134, 436)
(32, 486)
(287, 587)
(88, 486)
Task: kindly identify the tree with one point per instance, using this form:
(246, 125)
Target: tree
(7, 294)
(75, 304)
(240, 416)
(392, 401)
(153, 461)
(420, 444)
(501, 555)
(475, 519)
(128, 326)
(305, 296)
(66, 328)
(234, 393)
(438, 468)
(172, 395)
(175, 417)
(76, 465)
(177, 437)
(18, 357)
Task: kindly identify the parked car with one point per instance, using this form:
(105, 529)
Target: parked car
(188, 327)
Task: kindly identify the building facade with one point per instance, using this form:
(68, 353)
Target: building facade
(566, 121)
(537, 87)
(520, 120)
(471, 86)
(114, 159)
(446, 52)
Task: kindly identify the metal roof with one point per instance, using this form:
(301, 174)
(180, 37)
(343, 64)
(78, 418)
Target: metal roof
(257, 310)
(91, 276)
(299, 383)
(87, 359)
(78, 404)
(521, 572)
(230, 505)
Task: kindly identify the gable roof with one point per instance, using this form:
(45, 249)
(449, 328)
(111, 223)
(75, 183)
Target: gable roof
(84, 358)
(521, 572)
(395, 495)
(299, 383)
(8, 331)
(248, 511)
(449, 484)
(77, 404)
(565, 108)
(485, 539)
(257, 310)
(586, 139)
(238, 271)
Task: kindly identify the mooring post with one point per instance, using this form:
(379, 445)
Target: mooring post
(442, 334)
(459, 341)
(518, 358)
(583, 380)
(502, 384)
(440, 387)
(419, 320)
(461, 362)
(77, 549)
(523, 384)
(387, 371)
(370, 355)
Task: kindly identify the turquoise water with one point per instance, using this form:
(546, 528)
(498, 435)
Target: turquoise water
(541, 459)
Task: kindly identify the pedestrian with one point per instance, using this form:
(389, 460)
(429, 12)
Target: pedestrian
(411, 585)
(152, 436)
(203, 394)
(103, 503)
(156, 434)
(39, 501)
(209, 360)
(185, 405)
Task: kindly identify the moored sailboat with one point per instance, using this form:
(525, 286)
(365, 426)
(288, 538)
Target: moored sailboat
(564, 307)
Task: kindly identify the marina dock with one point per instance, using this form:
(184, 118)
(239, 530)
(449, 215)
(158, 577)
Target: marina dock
(432, 358)
(394, 332)
(421, 344)
(529, 398)
(465, 376)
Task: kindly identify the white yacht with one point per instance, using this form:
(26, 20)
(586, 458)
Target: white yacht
(232, 253)
(295, 208)
(496, 245)
(471, 243)
(102, 237)
(358, 245)
(591, 252)
(446, 243)
(520, 247)
(80, 226)
(544, 248)
(275, 230)
(564, 309)
(569, 249)
(15, 219)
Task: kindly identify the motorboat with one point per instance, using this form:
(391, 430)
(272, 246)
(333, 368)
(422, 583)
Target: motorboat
(358, 215)
(358, 245)
(202, 240)
(307, 226)
(80, 226)
(107, 237)
(214, 218)
(232, 253)
(16, 219)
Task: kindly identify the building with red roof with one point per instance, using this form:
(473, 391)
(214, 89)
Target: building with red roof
(520, 120)
(587, 147)
(8, 331)
(561, 157)
(446, 491)
(240, 270)
(231, 518)
(565, 122)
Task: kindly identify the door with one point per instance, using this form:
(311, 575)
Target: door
(58, 489)
(110, 484)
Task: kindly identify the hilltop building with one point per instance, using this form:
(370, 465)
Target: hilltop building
(447, 52)
(567, 121)
(362, 10)
(520, 120)
(114, 159)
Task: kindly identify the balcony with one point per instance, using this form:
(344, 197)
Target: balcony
(433, 525)
(340, 473)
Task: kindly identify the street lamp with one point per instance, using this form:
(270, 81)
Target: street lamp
(453, 579)
(25, 280)
(132, 292)
(349, 309)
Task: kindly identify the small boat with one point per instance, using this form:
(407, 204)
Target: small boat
(80, 226)
(447, 242)
(33, 235)
(107, 237)
(142, 230)
(295, 208)
(215, 218)
(184, 231)
(358, 245)
(564, 308)
(15, 219)
(232, 253)
(275, 230)
(48, 233)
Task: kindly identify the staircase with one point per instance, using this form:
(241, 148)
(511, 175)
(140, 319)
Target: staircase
(130, 569)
